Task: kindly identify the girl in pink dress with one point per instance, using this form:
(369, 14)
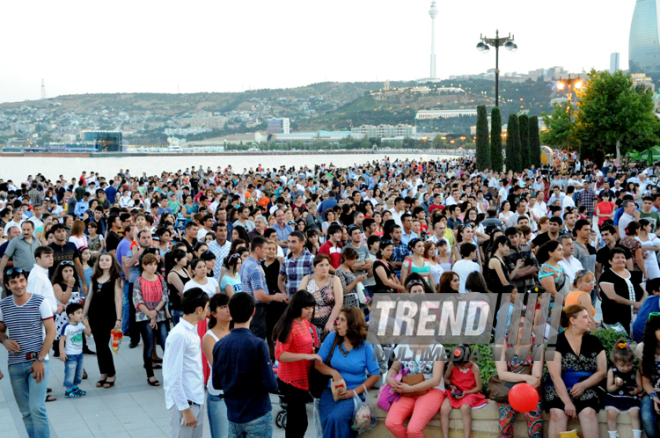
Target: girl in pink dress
(463, 389)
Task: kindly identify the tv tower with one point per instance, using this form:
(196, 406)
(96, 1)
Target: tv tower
(43, 90)
(433, 12)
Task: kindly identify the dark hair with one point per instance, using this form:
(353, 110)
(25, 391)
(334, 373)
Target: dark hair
(334, 228)
(257, 242)
(383, 244)
(42, 250)
(178, 254)
(58, 278)
(196, 262)
(298, 302)
(319, 258)
(569, 312)
(356, 332)
(609, 228)
(217, 300)
(467, 249)
(193, 298)
(298, 235)
(416, 279)
(348, 253)
(71, 308)
(653, 285)
(208, 255)
(475, 282)
(445, 282)
(499, 240)
(511, 231)
(543, 254)
(579, 224)
(241, 307)
(556, 220)
(614, 251)
(461, 354)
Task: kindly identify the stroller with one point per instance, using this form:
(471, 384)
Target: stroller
(281, 416)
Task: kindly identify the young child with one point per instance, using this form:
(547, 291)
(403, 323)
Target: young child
(624, 383)
(463, 389)
(71, 349)
(87, 265)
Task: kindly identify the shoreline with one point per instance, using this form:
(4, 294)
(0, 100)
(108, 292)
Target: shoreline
(229, 154)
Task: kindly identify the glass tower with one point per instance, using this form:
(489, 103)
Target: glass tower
(644, 44)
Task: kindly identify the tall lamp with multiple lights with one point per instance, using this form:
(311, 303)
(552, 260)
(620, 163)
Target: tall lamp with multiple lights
(571, 84)
(497, 42)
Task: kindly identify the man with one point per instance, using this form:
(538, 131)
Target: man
(39, 281)
(583, 251)
(82, 206)
(400, 251)
(437, 203)
(111, 191)
(259, 227)
(521, 211)
(220, 247)
(182, 368)
(630, 214)
(648, 213)
(221, 217)
(332, 246)
(190, 234)
(65, 251)
(131, 267)
(16, 219)
(407, 235)
(609, 235)
(242, 368)
(296, 264)
(163, 207)
(253, 280)
(32, 332)
(587, 197)
(363, 265)
(21, 250)
(37, 214)
(313, 219)
(439, 232)
(552, 234)
(12, 234)
(331, 202)
(570, 218)
(525, 278)
(283, 230)
(466, 265)
(453, 221)
(399, 210)
(242, 221)
(492, 220)
(112, 239)
(570, 263)
(128, 310)
(207, 226)
(35, 195)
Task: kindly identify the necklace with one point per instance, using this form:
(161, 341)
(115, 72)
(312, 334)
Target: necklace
(342, 350)
(464, 371)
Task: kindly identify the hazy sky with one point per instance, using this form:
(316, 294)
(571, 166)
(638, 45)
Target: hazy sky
(203, 46)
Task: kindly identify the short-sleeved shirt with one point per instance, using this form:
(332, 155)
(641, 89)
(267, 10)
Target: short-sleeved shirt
(122, 250)
(74, 338)
(62, 253)
(21, 252)
(332, 251)
(236, 283)
(624, 287)
(112, 241)
(603, 255)
(355, 366)
(25, 325)
(295, 269)
(253, 277)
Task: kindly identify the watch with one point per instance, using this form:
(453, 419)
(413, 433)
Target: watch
(41, 358)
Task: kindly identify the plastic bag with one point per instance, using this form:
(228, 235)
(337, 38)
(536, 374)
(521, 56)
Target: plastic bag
(318, 428)
(364, 415)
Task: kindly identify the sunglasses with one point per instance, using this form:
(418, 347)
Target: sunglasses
(67, 263)
(653, 314)
(11, 271)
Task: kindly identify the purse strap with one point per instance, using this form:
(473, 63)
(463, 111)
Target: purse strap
(332, 350)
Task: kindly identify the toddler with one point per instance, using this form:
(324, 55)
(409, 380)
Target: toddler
(71, 349)
(624, 384)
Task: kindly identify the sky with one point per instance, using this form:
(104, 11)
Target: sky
(203, 46)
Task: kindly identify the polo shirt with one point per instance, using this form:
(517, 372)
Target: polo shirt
(332, 251)
(21, 252)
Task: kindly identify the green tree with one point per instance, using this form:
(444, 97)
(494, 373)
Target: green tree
(523, 122)
(438, 142)
(561, 131)
(496, 160)
(483, 145)
(534, 142)
(614, 117)
(513, 155)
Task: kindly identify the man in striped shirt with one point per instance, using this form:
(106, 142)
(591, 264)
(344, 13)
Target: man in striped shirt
(29, 319)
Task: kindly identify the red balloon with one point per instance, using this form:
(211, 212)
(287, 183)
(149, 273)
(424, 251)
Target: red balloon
(523, 397)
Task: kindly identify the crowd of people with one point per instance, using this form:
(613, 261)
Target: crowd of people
(259, 282)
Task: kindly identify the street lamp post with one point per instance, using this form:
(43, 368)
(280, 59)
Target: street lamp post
(497, 42)
(572, 84)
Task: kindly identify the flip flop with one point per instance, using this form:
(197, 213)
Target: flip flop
(50, 398)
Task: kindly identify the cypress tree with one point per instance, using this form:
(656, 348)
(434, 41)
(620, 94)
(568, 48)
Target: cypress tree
(523, 121)
(534, 141)
(496, 160)
(513, 154)
(483, 145)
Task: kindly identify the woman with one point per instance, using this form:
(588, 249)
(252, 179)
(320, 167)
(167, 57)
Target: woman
(648, 353)
(218, 328)
(103, 306)
(231, 281)
(464, 234)
(353, 362)
(583, 285)
(368, 210)
(415, 284)
(275, 310)
(445, 257)
(327, 291)
(176, 282)
(431, 256)
(174, 204)
(313, 244)
(347, 276)
(200, 248)
(164, 241)
(572, 389)
(417, 263)
(209, 260)
(419, 408)
(189, 209)
(66, 287)
(150, 298)
(621, 295)
(450, 283)
(95, 241)
(301, 225)
(330, 216)
(386, 281)
(650, 244)
(378, 218)
(511, 372)
(239, 233)
(497, 272)
(78, 235)
(200, 280)
(605, 208)
(635, 248)
(552, 276)
(295, 350)
(505, 211)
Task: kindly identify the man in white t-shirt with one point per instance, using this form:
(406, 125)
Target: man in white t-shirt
(630, 214)
(570, 264)
(467, 265)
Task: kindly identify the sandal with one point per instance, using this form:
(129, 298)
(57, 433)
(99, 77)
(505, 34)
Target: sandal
(84, 376)
(157, 366)
(100, 383)
(107, 384)
(157, 360)
(72, 394)
(153, 382)
(50, 398)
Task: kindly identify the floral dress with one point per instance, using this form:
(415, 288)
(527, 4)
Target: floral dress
(325, 300)
(562, 283)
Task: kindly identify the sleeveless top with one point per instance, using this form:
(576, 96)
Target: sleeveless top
(325, 300)
(561, 279)
(629, 383)
(209, 384)
(424, 271)
(102, 305)
(175, 299)
(494, 282)
(573, 297)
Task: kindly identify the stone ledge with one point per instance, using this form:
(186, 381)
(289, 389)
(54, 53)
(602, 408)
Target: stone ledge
(485, 423)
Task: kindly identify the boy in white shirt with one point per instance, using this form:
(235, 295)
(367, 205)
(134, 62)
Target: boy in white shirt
(71, 349)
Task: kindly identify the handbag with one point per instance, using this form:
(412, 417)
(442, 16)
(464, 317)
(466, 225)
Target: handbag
(414, 379)
(318, 382)
(499, 389)
(385, 394)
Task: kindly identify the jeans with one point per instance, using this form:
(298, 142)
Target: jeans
(336, 418)
(258, 323)
(148, 336)
(261, 427)
(176, 316)
(649, 418)
(296, 410)
(31, 398)
(217, 412)
(73, 370)
(128, 323)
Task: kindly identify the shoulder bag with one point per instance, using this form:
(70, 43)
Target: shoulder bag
(318, 382)
(499, 389)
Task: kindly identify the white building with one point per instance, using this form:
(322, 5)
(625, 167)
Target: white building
(380, 131)
(444, 114)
